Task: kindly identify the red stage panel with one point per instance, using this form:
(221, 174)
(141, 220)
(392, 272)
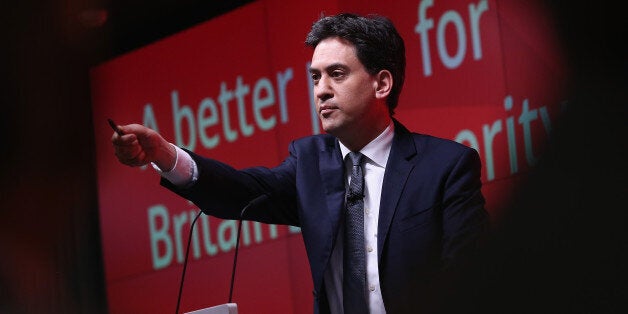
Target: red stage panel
(238, 84)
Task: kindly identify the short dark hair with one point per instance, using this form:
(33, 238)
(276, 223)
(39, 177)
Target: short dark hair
(378, 45)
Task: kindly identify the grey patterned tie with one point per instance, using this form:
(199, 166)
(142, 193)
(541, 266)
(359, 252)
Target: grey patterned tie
(354, 262)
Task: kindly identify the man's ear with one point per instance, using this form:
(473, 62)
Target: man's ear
(383, 84)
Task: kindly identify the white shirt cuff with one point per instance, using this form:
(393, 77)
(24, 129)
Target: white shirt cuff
(184, 172)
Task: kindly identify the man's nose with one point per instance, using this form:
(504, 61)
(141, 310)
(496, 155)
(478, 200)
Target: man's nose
(323, 90)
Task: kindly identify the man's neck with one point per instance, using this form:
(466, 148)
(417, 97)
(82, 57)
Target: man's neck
(356, 143)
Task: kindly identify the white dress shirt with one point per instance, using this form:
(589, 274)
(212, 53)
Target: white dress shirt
(374, 166)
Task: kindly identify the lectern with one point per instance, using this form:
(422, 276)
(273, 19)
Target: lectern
(227, 308)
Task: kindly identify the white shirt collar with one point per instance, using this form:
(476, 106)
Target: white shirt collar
(378, 149)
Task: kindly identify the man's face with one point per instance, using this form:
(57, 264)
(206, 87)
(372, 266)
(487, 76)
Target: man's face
(345, 93)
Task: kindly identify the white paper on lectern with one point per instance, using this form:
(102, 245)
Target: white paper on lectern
(227, 308)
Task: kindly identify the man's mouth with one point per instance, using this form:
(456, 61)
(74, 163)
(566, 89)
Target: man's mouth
(325, 110)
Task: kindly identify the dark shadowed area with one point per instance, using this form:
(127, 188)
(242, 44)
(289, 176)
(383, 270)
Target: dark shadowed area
(561, 249)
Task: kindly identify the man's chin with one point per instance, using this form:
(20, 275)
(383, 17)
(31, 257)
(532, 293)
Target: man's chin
(329, 128)
(334, 129)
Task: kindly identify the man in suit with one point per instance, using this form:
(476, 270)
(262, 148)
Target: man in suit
(422, 208)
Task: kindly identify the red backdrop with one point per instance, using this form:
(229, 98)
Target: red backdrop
(486, 73)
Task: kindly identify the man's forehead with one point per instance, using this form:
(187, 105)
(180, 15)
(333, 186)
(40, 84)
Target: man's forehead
(333, 52)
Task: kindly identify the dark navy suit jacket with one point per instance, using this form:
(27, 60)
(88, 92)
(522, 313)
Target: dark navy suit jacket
(431, 214)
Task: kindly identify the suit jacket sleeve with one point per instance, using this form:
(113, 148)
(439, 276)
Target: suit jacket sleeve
(223, 191)
(465, 221)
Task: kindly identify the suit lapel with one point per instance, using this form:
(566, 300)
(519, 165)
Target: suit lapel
(398, 169)
(330, 162)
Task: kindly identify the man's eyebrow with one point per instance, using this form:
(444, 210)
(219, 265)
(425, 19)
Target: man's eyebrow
(332, 66)
(336, 65)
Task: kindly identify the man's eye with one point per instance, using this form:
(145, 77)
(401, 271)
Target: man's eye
(315, 76)
(337, 74)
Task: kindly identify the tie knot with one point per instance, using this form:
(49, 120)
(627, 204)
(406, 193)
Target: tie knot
(356, 158)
